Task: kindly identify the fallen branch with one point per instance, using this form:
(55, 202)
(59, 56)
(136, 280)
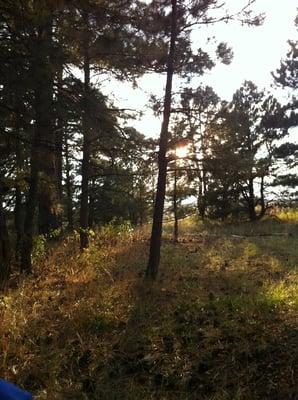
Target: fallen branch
(263, 235)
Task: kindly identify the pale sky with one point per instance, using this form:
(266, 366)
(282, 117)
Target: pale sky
(257, 52)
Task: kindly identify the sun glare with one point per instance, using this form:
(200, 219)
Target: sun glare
(181, 151)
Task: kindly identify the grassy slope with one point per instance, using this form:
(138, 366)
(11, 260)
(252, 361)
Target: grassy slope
(219, 323)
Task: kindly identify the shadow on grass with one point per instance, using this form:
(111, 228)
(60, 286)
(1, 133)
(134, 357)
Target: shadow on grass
(213, 326)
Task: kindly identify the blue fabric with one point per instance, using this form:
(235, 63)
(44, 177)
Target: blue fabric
(8, 391)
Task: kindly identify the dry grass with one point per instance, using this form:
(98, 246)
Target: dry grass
(220, 322)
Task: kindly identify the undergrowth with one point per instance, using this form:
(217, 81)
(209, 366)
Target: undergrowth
(219, 323)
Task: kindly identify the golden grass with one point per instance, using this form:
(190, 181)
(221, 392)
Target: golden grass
(219, 323)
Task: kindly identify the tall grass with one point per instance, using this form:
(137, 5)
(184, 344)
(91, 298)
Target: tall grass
(219, 323)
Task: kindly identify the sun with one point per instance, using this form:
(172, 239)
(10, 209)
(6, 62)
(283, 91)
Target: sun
(181, 151)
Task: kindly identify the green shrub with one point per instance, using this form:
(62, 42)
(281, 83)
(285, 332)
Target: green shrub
(39, 247)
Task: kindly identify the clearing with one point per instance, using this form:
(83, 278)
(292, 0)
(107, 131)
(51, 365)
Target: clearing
(220, 322)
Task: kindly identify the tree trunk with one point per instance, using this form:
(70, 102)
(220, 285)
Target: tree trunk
(42, 159)
(201, 198)
(19, 161)
(5, 252)
(18, 209)
(141, 204)
(155, 241)
(47, 165)
(30, 210)
(84, 210)
(91, 221)
(69, 188)
(59, 133)
(262, 200)
(48, 190)
(204, 181)
(201, 207)
(175, 206)
(251, 201)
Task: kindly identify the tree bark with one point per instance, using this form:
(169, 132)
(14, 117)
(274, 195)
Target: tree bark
(42, 159)
(155, 241)
(175, 206)
(30, 209)
(19, 161)
(201, 206)
(59, 136)
(142, 204)
(201, 203)
(262, 200)
(251, 201)
(84, 209)
(69, 188)
(5, 251)
(48, 182)
(18, 209)
(91, 219)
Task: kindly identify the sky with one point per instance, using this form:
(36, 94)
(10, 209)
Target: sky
(257, 52)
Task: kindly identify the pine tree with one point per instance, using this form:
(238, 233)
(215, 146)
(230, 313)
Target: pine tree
(180, 60)
(242, 139)
(287, 77)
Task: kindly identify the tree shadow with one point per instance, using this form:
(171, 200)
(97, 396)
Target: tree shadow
(208, 328)
(211, 329)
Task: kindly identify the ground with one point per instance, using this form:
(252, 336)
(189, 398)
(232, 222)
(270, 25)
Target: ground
(220, 322)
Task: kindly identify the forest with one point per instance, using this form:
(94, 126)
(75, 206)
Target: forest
(144, 266)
